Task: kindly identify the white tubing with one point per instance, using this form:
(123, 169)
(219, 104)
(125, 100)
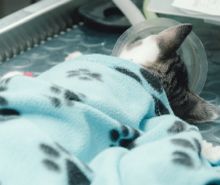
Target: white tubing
(148, 15)
(130, 10)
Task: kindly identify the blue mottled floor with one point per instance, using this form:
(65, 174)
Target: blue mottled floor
(86, 40)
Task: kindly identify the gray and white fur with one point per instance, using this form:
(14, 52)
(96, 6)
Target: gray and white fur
(158, 53)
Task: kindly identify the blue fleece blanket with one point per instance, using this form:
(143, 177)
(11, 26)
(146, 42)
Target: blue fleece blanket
(96, 120)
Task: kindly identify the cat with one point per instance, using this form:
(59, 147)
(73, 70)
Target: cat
(104, 111)
(158, 54)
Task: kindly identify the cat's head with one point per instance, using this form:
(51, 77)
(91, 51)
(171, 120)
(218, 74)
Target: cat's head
(158, 53)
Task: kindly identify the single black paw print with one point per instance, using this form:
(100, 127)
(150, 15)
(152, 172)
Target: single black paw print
(7, 113)
(57, 161)
(123, 137)
(63, 96)
(84, 74)
(4, 84)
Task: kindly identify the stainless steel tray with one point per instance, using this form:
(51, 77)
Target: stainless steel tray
(29, 26)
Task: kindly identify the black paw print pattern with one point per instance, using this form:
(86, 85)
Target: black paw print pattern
(152, 79)
(180, 126)
(183, 158)
(7, 113)
(213, 182)
(63, 97)
(123, 137)
(51, 155)
(128, 73)
(160, 108)
(84, 74)
(177, 127)
(4, 84)
(3, 101)
(51, 162)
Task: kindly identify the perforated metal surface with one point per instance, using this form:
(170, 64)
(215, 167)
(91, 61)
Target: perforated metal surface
(54, 50)
(86, 40)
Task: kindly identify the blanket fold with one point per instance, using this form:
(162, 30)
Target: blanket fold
(96, 120)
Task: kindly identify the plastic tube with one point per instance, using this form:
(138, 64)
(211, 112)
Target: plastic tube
(130, 10)
(148, 14)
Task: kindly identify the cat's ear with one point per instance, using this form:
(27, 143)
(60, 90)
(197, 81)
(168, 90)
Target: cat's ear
(156, 47)
(197, 110)
(171, 39)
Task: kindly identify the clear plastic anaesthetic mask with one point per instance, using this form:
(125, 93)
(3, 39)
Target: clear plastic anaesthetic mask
(191, 51)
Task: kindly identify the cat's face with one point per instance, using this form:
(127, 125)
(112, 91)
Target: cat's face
(158, 53)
